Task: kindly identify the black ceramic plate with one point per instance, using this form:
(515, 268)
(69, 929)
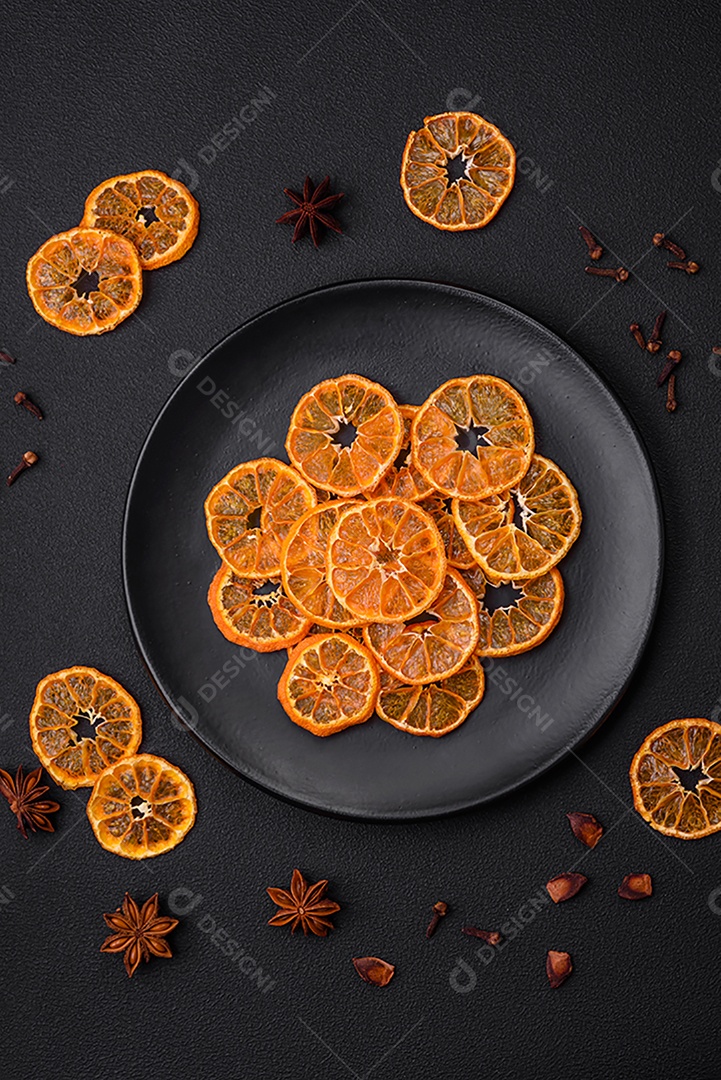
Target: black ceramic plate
(235, 405)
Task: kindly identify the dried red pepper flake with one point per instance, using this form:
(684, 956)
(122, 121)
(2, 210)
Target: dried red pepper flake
(586, 828)
(564, 886)
(558, 967)
(373, 970)
(636, 887)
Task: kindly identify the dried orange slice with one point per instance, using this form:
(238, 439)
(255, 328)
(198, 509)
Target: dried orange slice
(516, 549)
(85, 281)
(470, 201)
(82, 696)
(433, 709)
(141, 807)
(524, 622)
(337, 410)
(157, 214)
(355, 632)
(403, 481)
(473, 437)
(303, 566)
(457, 552)
(385, 560)
(257, 614)
(687, 812)
(329, 683)
(428, 650)
(249, 512)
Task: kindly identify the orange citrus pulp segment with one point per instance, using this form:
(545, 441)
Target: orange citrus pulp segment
(329, 683)
(433, 709)
(658, 793)
(550, 521)
(68, 697)
(489, 163)
(434, 648)
(350, 406)
(482, 407)
(248, 514)
(262, 620)
(457, 553)
(60, 264)
(157, 214)
(303, 566)
(523, 624)
(385, 560)
(141, 807)
(403, 481)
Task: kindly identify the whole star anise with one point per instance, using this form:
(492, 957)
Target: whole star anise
(310, 210)
(24, 794)
(139, 933)
(303, 906)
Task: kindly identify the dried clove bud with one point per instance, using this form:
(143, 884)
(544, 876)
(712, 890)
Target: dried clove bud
(674, 358)
(374, 971)
(585, 828)
(660, 240)
(654, 342)
(636, 887)
(565, 886)
(491, 937)
(638, 335)
(440, 908)
(689, 267)
(558, 967)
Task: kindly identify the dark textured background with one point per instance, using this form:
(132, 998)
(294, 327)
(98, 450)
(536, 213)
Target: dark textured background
(613, 126)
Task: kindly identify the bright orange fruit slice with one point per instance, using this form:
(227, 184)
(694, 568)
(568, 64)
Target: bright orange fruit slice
(403, 481)
(523, 624)
(457, 552)
(348, 409)
(516, 549)
(256, 614)
(141, 807)
(82, 695)
(85, 281)
(385, 560)
(303, 566)
(249, 512)
(470, 201)
(659, 794)
(329, 683)
(473, 437)
(156, 213)
(433, 709)
(428, 650)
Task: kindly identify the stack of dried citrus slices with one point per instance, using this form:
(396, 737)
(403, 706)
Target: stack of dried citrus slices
(378, 556)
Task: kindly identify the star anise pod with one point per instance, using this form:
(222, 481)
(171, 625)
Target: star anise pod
(24, 795)
(139, 933)
(303, 906)
(310, 210)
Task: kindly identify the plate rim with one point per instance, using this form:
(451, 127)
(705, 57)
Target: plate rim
(466, 805)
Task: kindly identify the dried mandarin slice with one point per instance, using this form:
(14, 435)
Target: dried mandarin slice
(355, 632)
(303, 567)
(524, 622)
(329, 683)
(249, 512)
(385, 560)
(473, 199)
(334, 411)
(156, 213)
(659, 794)
(141, 807)
(457, 552)
(510, 548)
(85, 281)
(75, 698)
(403, 481)
(428, 650)
(256, 614)
(473, 437)
(433, 709)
